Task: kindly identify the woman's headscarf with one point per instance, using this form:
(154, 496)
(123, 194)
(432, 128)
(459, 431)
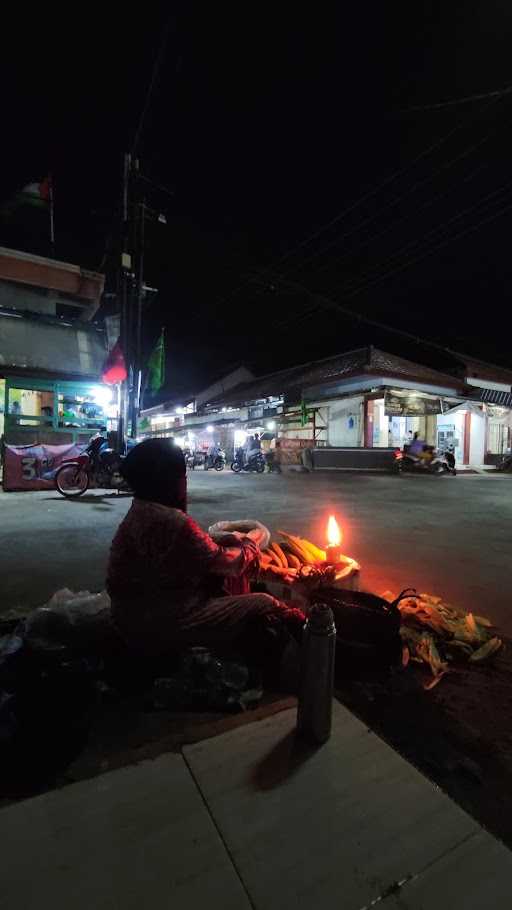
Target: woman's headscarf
(155, 470)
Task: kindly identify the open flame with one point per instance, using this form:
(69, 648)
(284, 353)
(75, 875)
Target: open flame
(334, 535)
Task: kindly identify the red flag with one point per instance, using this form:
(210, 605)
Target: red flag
(114, 368)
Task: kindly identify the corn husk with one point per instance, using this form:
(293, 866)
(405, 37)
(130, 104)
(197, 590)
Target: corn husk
(483, 621)
(490, 647)
(427, 650)
(433, 682)
(435, 632)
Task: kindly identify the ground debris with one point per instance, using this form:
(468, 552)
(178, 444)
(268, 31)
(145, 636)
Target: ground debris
(439, 635)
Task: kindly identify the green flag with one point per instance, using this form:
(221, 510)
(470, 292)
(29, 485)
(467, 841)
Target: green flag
(304, 414)
(156, 365)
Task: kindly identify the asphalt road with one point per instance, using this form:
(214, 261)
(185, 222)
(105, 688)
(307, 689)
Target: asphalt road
(448, 535)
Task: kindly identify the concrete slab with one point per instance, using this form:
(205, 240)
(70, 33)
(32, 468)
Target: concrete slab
(330, 827)
(139, 837)
(473, 876)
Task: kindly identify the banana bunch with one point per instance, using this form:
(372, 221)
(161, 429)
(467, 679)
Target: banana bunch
(295, 556)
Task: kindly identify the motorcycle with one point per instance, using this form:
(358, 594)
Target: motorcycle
(97, 464)
(505, 464)
(195, 459)
(217, 462)
(255, 463)
(432, 462)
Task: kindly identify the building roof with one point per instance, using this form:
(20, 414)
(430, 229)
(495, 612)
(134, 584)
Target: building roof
(70, 281)
(492, 396)
(293, 382)
(480, 369)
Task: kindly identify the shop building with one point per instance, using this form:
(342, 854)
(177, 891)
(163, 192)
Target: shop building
(352, 406)
(178, 417)
(51, 355)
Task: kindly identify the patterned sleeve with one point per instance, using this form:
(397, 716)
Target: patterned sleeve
(200, 550)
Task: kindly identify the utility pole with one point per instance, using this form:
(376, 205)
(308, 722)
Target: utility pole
(138, 301)
(124, 269)
(132, 291)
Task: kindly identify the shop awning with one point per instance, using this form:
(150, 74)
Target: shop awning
(494, 396)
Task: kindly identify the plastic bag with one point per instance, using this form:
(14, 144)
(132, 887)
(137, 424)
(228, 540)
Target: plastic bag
(78, 606)
(252, 528)
(67, 619)
(205, 681)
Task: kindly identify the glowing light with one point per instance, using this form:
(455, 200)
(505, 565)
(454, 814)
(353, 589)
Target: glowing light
(102, 395)
(334, 534)
(271, 425)
(180, 411)
(240, 437)
(210, 429)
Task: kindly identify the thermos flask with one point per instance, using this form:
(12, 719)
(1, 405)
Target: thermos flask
(314, 713)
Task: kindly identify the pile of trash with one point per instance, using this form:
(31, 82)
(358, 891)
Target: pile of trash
(439, 635)
(206, 681)
(64, 659)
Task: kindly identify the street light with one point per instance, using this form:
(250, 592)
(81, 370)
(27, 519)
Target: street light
(209, 429)
(271, 425)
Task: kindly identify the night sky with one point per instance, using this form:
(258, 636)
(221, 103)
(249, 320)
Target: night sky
(267, 125)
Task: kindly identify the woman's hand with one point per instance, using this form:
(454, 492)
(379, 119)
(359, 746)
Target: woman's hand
(230, 539)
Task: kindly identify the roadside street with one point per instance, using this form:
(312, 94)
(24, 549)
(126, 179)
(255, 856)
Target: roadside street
(446, 535)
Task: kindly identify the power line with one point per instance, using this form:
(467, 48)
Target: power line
(324, 302)
(468, 99)
(420, 240)
(362, 279)
(392, 204)
(394, 224)
(351, 207)
(152, 82)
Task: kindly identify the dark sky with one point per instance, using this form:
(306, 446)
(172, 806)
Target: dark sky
(267, 124)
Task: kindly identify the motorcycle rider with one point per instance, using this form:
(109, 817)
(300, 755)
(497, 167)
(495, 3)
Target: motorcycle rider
(252, 447)
(213, 452)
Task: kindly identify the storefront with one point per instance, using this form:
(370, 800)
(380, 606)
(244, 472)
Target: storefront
(399, 414)
(499, 432)
(54, 411)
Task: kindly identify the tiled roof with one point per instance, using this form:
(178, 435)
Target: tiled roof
(381, 362)
(293, 381)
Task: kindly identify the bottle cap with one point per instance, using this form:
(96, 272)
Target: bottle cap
(321, 618)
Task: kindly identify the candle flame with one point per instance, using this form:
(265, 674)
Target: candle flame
(334, 535)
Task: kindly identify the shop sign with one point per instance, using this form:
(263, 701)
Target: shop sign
(34, 467)
(410, 405)
(288, 443)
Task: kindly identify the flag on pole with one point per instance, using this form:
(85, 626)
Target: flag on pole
(304, 414)
(114, 369)
(156, 365)
(38, 195)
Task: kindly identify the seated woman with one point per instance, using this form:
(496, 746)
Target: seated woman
(165, 575)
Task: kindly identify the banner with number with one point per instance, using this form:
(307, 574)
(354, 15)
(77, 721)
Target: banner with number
(34, 467)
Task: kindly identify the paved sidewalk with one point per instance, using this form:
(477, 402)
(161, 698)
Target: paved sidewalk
(251, 819)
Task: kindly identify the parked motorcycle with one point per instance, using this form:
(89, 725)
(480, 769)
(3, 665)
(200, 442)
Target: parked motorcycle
(430, 462)
(217, 462)
(98, 464)
(255, 463)
(195, 459)
(505, 464)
